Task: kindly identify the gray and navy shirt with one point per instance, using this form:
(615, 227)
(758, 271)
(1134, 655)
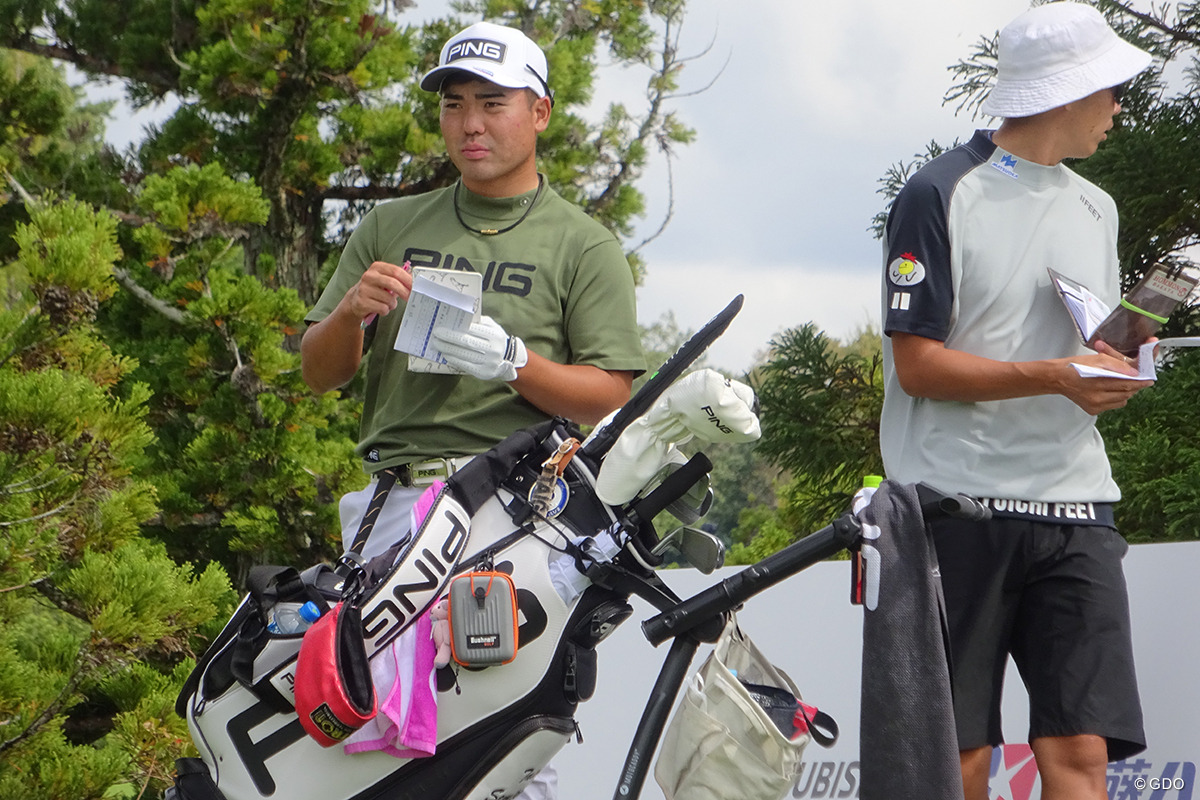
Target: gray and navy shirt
(966, 251)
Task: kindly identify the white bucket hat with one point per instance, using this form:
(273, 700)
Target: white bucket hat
(1055, 54)
(504, 56)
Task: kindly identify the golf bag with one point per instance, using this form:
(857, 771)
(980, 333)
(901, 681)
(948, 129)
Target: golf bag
(497, 726)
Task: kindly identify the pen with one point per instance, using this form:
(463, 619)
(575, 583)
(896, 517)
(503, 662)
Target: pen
(369, 318)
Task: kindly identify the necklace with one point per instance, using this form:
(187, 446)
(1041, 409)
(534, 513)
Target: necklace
(495, 231)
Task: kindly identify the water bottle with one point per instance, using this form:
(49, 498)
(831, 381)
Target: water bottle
(293, 617)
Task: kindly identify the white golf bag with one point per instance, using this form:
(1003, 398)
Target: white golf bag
(498, 726)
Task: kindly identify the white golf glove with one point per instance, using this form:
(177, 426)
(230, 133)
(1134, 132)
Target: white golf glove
(485, 350)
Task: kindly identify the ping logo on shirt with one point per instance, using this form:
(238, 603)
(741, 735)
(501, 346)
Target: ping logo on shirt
(477, 48)
(906, 270)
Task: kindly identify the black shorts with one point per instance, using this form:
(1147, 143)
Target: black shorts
(1054, 597)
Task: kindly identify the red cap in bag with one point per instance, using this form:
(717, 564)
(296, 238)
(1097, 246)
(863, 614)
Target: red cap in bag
(334, 693)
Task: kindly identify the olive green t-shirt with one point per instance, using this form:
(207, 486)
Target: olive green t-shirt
(559, 280)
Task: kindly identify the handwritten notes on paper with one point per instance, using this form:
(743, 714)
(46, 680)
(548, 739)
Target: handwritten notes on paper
(443, 299)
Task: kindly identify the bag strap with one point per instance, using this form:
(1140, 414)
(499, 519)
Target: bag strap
(350, 564)
(821, 727)
(273, 583)
(228, 633)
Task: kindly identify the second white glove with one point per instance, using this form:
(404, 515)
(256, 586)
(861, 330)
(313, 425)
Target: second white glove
(485, 350)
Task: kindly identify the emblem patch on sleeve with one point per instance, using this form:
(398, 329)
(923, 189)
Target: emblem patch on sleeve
(906, 271)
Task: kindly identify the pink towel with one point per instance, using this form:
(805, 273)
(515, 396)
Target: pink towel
(424, 503)
(406, 725)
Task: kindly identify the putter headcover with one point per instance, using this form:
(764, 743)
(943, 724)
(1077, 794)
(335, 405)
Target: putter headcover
(704, 404)
(334, 693)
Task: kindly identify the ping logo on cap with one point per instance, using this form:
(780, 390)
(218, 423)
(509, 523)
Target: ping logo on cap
(477, 48)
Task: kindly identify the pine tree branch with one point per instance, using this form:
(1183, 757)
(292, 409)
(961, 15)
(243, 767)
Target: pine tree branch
(55, 707)
(10, 523)
(147, 299)
(1177, 34)
(658, 95)
(26, 197)
(670, 213)
(376, 191)
(161, 83)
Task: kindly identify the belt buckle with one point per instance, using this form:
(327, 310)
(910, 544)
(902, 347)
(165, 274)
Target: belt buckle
(425, 473)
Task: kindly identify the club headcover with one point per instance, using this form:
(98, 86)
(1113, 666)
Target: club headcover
(705, 405)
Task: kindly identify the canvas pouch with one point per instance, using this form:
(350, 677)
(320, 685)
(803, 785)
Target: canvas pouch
(722, 742)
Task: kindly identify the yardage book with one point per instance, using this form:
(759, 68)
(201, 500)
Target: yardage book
(1138, 316)
(440, 298)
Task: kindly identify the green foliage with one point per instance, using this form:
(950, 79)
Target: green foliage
(742, 479)
(763, 530)
(95, 621)
(820, 414)
(185, 199)
(49, 139)
(135, 597)
(316, 102)
(288, 114)
(1147, 167)
(1155, 459)
(155, 433)
(33, 105)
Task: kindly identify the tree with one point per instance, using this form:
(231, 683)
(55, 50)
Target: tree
(315, 102)
(289, 119)
(92, 615)
(153, 423)
(164, 298)
(1155, 460)
(50, 139)
(820, 414)
(248, 462)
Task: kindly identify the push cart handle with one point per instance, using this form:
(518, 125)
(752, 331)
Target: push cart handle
(936, 503)
(744, 584)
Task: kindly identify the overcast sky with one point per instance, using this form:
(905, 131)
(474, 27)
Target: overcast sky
(774, 197)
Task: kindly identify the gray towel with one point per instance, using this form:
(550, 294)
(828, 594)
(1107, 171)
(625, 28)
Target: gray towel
(908, 746)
